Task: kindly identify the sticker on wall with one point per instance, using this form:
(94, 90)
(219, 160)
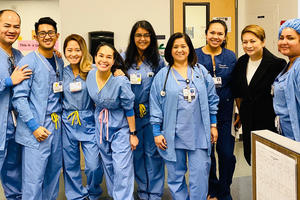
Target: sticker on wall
(30, 45)
(227, 20)
(190, 31)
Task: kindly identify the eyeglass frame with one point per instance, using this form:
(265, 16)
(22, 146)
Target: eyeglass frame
(51, 34)
(140, 35)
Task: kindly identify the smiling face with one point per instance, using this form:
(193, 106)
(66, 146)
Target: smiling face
(215, 35)
(289, 43)
(104, 59)
(9, 28)
(73, 52)
(180, 50)
(142, 39)
(252, 46)
(46, 36)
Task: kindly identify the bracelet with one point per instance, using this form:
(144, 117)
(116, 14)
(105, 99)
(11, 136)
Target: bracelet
(213, 125)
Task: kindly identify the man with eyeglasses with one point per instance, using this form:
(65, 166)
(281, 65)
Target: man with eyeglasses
(38, 101)
(10, 75)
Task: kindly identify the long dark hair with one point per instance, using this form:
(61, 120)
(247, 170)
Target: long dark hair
(192, 58)
(151, 53)
(218, 21)
(118, 60)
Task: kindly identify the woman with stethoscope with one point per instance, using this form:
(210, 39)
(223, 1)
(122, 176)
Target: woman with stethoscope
(220, 62)
(183, 108)
(143, 62)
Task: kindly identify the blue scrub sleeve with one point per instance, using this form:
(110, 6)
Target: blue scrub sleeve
(156, 130)
(213, 119)
(129, 113)
(126, 94)
(156, 111)
(32, 125)
(21, 93)
(8, 82)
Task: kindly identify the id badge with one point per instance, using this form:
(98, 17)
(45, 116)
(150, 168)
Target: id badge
(150, 74)
(193, 93)
(217, 81)
(186, 93)
(75, 86)
(57, 87)
(135, 79)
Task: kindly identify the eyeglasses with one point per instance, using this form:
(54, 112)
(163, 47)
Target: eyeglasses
(145, 35)
(43, 34)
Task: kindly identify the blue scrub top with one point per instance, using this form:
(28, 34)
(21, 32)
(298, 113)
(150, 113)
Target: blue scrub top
(116, 96)
(189, 130)
(7, 129)
(54, 99)
(75, 100)
(225, 63)
(142, 91)
(280, 105)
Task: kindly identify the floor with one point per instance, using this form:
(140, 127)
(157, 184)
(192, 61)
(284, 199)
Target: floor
(241, 188)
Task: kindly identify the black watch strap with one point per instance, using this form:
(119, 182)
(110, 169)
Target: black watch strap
(133, 133)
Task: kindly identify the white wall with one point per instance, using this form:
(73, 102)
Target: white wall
(30, 12)
(273, 11)
(82, 17)
(113, 15)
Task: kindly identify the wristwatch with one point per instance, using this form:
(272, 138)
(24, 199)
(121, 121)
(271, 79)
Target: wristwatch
(213, 125)
(133, 132)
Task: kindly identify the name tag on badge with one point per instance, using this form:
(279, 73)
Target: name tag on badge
(193, 93)
(186, 93)
(150, 74)
(57, 87)
(135, 79)
(75, 86)
(217, 81)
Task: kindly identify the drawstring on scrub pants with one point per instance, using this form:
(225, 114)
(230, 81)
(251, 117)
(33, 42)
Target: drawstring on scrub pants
(55, 118)
(142, 110)
(105, 120)
(74, 115)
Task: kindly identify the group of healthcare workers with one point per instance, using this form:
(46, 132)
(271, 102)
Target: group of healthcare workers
(133, 115)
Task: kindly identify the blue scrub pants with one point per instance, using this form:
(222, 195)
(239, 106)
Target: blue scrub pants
(11, 169)
(72, 172)
(148, 166)
(41, 167)
(117, 161)
(199, 165)
(220, 188)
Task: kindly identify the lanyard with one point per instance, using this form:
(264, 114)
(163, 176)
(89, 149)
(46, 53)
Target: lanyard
(186, 80)
(57, 71)
(214, 70)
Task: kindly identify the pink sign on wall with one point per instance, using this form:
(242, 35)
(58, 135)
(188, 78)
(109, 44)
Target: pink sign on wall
(30, 45)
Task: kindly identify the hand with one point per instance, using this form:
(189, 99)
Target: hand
(119, 72)
(41, 134)
(134, 141)
(160, 142)
(57, 53)
(20, 74)
(214, 135)
(237, 123)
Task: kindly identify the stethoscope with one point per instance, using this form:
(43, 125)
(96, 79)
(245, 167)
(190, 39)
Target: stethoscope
(163, 91)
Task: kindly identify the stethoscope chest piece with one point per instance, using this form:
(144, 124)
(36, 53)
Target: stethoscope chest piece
(162, 93)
